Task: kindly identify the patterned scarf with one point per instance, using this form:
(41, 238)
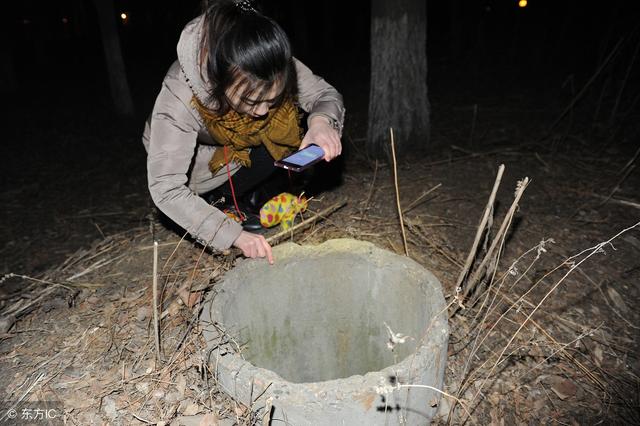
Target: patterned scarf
(279, 132)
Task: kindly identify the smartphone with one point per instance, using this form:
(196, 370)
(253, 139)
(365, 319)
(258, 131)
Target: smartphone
(302, 159)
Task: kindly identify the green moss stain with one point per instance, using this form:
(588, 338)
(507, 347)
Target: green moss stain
(275, 348)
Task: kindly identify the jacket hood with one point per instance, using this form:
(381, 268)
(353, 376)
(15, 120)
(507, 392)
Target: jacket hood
(188, 50)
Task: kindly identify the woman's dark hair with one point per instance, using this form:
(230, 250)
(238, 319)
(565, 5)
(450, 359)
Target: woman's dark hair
(243, 46)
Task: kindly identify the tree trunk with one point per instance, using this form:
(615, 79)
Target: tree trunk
(398, 91)
(120, 92)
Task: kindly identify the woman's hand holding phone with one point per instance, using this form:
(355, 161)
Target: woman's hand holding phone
(326, 137)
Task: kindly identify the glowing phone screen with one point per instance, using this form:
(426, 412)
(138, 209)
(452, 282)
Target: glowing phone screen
(305, 156)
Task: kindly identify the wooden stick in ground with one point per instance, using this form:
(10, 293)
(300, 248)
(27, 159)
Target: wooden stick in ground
(483, 223)
(156, 328)
(275, 239)
(395, 181)
(477, 275)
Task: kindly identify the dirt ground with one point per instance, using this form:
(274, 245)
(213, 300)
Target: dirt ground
(548, 335)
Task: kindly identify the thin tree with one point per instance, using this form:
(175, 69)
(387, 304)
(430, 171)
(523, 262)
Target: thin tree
(118, 84)
(398, 91)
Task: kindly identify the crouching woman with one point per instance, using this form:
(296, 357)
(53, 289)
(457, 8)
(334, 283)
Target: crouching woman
(228, 108)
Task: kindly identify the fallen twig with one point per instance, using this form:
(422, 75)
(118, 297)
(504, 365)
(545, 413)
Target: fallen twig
(415, 203)
(95, 266)
(618, 201)
(275, 239)
(416, 230)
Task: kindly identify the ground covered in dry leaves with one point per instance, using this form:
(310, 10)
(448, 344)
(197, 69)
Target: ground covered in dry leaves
(548, 332)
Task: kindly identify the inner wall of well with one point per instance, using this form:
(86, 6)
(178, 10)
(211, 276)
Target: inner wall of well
(323, 318)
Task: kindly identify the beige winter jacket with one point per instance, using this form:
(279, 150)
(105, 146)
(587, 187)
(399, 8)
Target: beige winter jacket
(179, 146)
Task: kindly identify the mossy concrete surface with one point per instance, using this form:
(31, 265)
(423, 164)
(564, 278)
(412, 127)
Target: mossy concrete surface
(314, 335)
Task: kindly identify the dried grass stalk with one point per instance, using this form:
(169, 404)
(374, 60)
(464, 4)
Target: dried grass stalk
(395, 181)
(156, 323)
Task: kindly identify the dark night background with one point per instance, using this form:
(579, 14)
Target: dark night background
(472, 45)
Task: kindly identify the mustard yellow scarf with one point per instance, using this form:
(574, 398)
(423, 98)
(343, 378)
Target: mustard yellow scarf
(279, 132)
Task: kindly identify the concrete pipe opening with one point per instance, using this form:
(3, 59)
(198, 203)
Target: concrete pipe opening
(314, 331)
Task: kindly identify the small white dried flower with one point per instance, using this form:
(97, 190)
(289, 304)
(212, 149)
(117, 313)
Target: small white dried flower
(542, 247)
(458, 297)
(384, 389)
(6, 277)
(395, 338)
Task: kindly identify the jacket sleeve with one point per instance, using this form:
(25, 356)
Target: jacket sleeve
(317, 97)
(172, 147)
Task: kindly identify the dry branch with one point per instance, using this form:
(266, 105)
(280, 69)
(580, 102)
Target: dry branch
(415, 203)
(481, 228)
(480, 270)
(628, 203)
(277, 238)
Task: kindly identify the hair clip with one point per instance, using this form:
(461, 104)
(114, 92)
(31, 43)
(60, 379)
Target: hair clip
(246, 5)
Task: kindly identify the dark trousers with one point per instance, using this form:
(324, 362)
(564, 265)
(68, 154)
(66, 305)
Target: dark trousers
(246, 179)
